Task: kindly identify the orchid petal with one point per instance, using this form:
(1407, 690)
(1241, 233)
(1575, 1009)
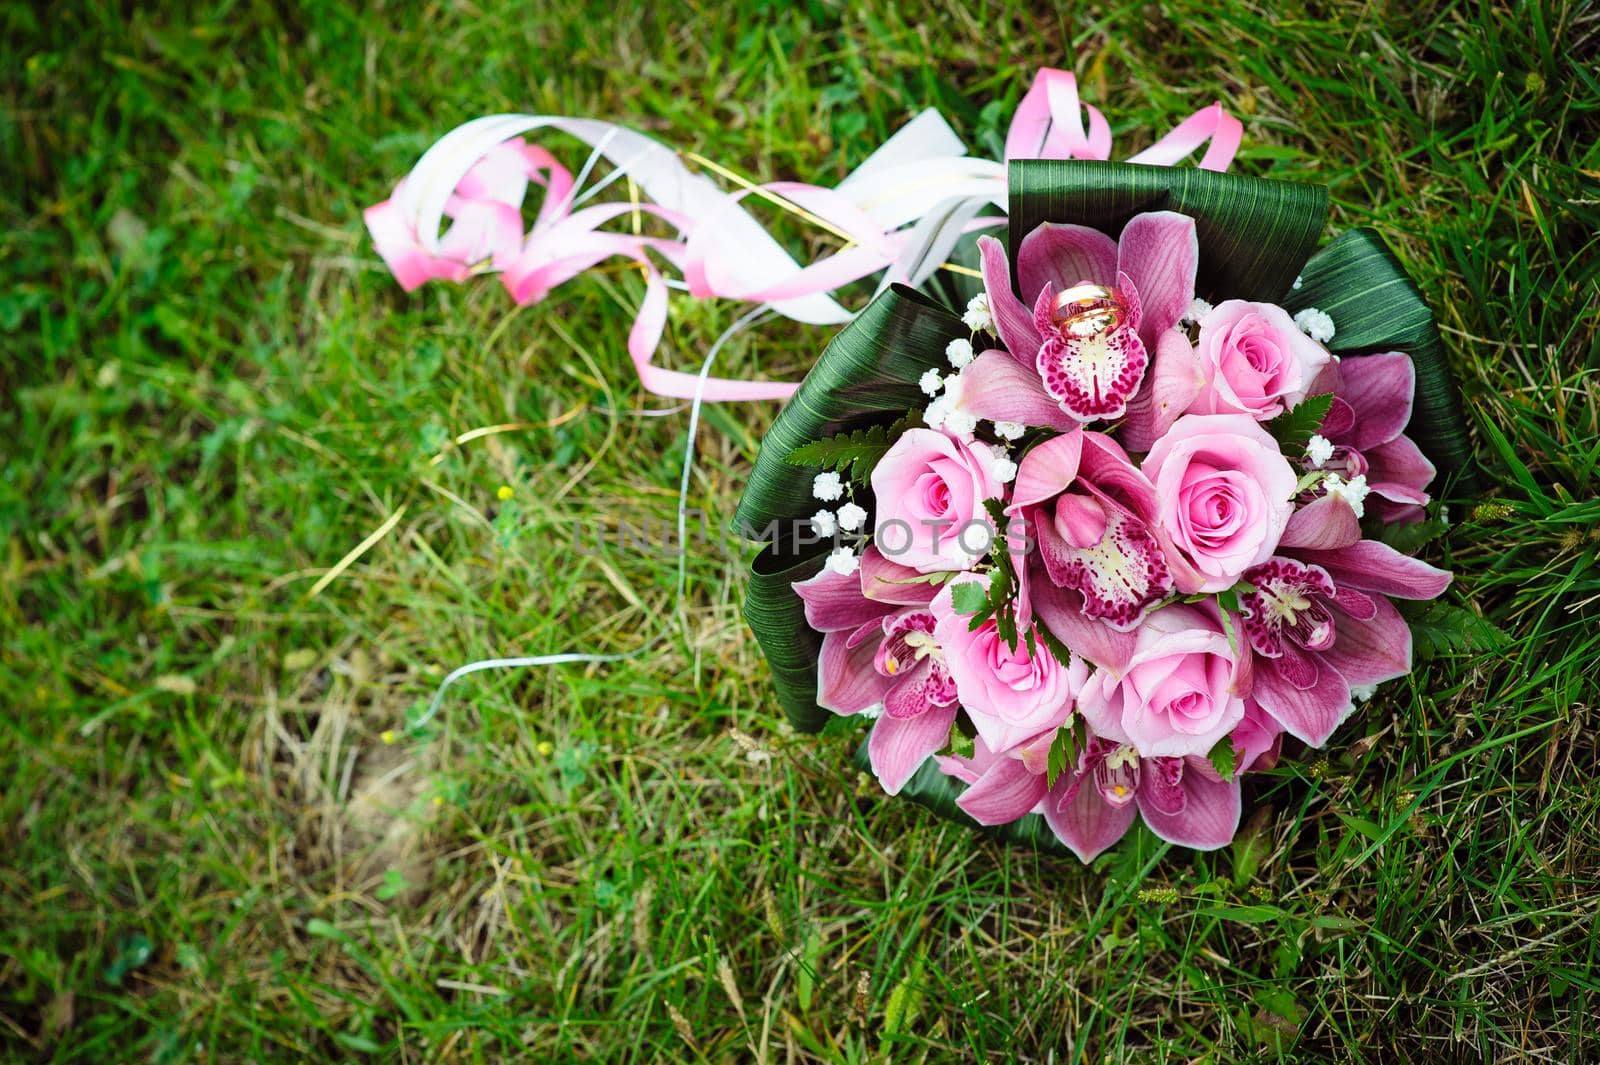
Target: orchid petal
(899, 746)
(1160, 252)
(997, 387)
(884, 581)
(1399, 471)
(1379, 390)
(847, 682)
(1085, 822)
(1004, 793)
(834, 602)
(1309, 713)
(1371, 652)
(1061, 610)
(1374, 566)
(1047, 470)
(1012, 319)
(1170, 387)
(1326, 523)
(1064, 256)
(1210, 814)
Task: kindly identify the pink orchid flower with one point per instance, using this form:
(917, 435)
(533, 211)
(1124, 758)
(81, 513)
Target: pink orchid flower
(1319, 618)
(879, 656)
(1089, 511)
(1184, 801)
(1051, 376)
(1371, 408)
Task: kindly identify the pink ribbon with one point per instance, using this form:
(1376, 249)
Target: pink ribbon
(895, 211)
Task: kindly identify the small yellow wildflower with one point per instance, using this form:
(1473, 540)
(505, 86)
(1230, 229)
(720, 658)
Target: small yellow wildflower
(504, 492)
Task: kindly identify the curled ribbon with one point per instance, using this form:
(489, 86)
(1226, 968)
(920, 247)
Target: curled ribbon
(899, 214)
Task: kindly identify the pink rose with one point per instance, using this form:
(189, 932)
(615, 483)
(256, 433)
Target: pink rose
(930, 489)
(1181, 691)
(1224, 492)
(1254, 360)
(1010, 695)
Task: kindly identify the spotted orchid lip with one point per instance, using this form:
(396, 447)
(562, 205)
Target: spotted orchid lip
(1288, 602)
(1121, 575)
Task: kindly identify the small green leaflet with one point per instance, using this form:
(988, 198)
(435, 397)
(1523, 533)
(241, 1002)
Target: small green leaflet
(1294, 429)
(1227, 628)
(968, 597)
(1223, 757)
(857, 451)
(1058, 650)
(960, 743)
(1064, 749)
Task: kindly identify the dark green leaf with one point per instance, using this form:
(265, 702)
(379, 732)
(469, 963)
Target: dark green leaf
(960, 743)
(777, 616)
(1255, 234)
(1410, 537)
(866, 376)
(1359, 283)
(1293, 429)
(1057, 649)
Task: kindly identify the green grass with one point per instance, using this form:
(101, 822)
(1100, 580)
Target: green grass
(212, 391)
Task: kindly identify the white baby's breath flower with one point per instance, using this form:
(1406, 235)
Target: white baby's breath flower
(1197, 309)
(959, 352)
(1319, 449)
(959, 422)
(1314, 324)
(1354, 491)
(852, 517)
(931, 382)
(1362, 692)
(978, 319)
(1298, 281)
(937, 412)
(843, 561)
(827, 486)
(1009, 430)
(824, 523)
(1005, 467)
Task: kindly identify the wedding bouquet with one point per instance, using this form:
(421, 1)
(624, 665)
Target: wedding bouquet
(1083, 524)
(1085, 549)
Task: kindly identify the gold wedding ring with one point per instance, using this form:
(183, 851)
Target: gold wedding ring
(1087, 310)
